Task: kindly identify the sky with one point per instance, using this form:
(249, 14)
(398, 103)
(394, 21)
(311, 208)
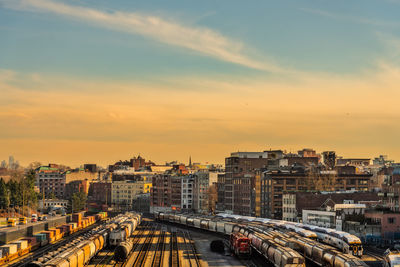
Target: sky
(102, 80)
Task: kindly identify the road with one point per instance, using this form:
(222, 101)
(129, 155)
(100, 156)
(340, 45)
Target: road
(4, 228)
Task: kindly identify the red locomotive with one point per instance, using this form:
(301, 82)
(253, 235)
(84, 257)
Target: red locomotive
(240, 244)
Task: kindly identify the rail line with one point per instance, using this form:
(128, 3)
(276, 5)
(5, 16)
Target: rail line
(50, 247)
(140, 260)
(106, 259)
(158, 258)
(190, 250)
(174, 258)
(156, 245)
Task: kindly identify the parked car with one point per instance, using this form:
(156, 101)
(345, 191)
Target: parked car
(34, 217)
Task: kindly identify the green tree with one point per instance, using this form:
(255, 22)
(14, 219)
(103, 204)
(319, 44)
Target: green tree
(15, 193)
(29, 189)
(4, 195)
(51, 196)
(78, 201)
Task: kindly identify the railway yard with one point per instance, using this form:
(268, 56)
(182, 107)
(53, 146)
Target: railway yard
(152, 244)
(184, 240)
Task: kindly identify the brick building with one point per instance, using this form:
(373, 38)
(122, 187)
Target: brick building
(51, 180)
(276, 183)
(240, 169)
(100, 192)
(387, 221)
(165, 195)
(76, 186)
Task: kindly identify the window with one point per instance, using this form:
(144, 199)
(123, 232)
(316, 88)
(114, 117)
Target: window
(391, 220)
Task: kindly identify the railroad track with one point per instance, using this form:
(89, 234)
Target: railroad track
(174, 256)
(190, 250)
(375, 255)
(105, 260)
(50, 247)
(131, 260)
(154, 245)
(158, 258)
(144, 248)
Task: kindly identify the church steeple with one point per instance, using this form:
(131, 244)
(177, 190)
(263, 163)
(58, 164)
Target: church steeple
(190, 161)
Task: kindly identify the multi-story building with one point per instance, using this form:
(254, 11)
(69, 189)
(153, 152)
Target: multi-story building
(187, 192)
(221, 193)
(275, 183)
(50, 180)
(203, 191)
(160, 194)
(176, 192)
(100, 192)
(240, 169)
(391, 189)
(293, 203)
(387, 223)
(123, 193)
(76, 186)
(166, 193)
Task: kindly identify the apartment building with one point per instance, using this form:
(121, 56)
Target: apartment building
(125, 192)
(202, 191)
(275, 183)
(187, 193)
(51, 180)
(165, 195)
(240, 169)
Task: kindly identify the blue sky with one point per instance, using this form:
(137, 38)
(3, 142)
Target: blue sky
(173, 78)
(328, 36)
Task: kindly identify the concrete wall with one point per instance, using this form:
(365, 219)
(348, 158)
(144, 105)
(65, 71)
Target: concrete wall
(21, 231)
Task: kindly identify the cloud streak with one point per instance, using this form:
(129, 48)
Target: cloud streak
(200, 39)
(356, 19)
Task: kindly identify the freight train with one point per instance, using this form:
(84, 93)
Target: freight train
(391, 258)
(13, 250)
(125, 229)
(282, 249)
(240, 244)
(80, 254)
(278, 255)
(347, 243)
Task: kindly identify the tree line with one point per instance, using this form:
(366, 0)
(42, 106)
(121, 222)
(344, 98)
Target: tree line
(19, 191)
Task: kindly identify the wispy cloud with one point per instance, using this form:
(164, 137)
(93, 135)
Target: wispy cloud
(200, 39)
(356, 19)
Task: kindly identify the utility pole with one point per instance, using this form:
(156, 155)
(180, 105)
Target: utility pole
(106, 194)
(23, 196)
(43, 202)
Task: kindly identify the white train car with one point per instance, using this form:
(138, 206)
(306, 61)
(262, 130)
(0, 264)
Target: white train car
(346, 242)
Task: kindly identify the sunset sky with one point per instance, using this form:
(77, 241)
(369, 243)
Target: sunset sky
(98, 81)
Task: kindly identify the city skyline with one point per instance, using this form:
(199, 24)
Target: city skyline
(101, 80)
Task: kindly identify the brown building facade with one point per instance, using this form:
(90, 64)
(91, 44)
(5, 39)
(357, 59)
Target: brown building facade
(276, 183)
(165, 194)
(100, 192)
